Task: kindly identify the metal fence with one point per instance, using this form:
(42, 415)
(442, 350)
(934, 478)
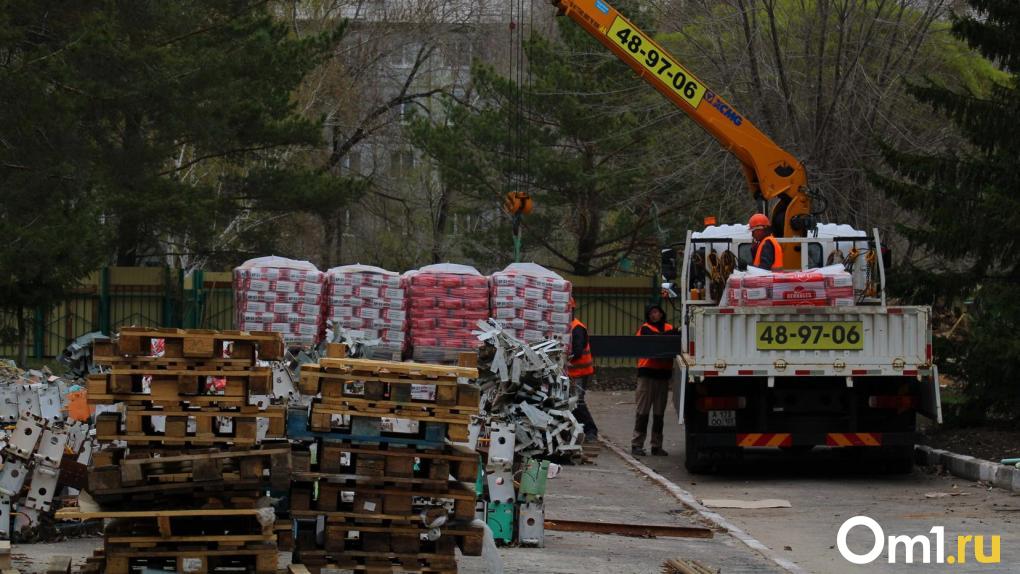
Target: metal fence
(119, 296)
(161, 297)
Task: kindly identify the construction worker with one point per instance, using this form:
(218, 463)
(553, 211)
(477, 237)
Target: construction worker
(768, 254)
(653, 382)
(580, 369)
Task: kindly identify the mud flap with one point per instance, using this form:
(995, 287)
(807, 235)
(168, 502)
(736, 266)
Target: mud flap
(931, 397)
(679, 385)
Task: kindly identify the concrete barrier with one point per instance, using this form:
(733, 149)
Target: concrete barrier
(970, 468)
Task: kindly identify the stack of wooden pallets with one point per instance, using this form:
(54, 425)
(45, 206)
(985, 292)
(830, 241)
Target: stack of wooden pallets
(387, 492)
(191, 454)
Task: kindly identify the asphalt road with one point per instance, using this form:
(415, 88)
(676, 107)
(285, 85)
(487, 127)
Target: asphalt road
(824, 492)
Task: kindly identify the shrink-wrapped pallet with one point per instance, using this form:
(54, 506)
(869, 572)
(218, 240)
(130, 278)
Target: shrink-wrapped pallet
(830, 286)
(445, 301)
(282, 296)
(532, 302)
(368, 305)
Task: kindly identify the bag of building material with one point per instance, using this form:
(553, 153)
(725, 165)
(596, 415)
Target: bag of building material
(444, 303)
(830, 286)
(280, 295)
(533, 302)
(367, 306)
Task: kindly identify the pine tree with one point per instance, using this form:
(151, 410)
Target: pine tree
(587, 139)
(969, 202)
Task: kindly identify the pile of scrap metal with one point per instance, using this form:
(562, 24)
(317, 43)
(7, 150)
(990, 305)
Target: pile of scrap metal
(525, 421)
(44, 446)
(525, 385)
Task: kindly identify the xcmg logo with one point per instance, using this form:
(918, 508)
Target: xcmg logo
(724, 108)
(925, 547)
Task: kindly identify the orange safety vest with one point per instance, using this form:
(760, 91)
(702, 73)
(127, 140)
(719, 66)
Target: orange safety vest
(583, 365)
(661, 364)
(777, 263)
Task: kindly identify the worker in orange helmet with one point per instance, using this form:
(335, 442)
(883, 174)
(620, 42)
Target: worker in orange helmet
(581, 369)
(768, 254)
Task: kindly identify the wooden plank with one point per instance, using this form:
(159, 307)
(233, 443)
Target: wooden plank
(76, 514)
(383, 404)
(404, 367)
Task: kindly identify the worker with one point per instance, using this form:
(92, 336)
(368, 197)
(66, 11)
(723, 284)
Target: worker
(580, 369)
(653, 383)
(768, 254)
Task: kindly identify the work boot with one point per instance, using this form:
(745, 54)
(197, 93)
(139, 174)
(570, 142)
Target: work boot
(637, 451)
(657, 451)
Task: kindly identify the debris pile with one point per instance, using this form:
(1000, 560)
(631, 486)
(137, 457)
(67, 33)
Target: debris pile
(48, 449)
(282, 296)
(524, 384)
(524, 424)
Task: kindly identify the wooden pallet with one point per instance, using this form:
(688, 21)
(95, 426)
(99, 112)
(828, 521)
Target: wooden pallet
(178, 385)
(395, 499)
(390, 460)
(366, 418)
(138, 428)
(180, 343)
(252, 559)
(119, 472)
(365, 430)
(322, 562)
(405, 536)
(330, 375)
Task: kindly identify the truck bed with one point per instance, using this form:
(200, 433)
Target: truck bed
(724, 341)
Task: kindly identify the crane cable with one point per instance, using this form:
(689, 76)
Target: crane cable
(518, 152)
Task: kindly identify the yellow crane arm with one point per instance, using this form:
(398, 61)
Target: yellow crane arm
(770, 170)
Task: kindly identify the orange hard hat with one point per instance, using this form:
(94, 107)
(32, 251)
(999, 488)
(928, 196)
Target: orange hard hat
(758, 220)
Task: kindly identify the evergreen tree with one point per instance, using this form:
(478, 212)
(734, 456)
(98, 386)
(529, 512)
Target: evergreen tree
(969, 202)
(582, 134)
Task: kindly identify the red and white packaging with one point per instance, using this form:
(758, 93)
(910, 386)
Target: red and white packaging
(829, 286)
(533, 301)
(444, 303)
(367, 304)
(280, 295)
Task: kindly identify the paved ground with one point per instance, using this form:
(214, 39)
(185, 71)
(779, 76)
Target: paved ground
(824, 493)
(611, 491)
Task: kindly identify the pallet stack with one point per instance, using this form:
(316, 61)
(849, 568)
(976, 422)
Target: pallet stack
(380, 489)
(191, 448)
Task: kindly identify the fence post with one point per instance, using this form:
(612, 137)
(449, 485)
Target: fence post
(168, 304)
(197, 295)
(104, 300)
(39, 333)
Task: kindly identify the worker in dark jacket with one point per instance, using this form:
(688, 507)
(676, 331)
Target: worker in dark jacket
(581, 369)
(653, 385)
(768, 254)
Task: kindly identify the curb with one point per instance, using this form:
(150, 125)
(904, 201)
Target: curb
(687, 499)
(970, 468)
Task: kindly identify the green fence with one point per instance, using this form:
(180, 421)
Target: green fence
(613, 306)
(158, 297)
(120, 296)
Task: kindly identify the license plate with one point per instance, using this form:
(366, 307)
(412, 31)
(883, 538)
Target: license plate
(810, 335)
(722, 418)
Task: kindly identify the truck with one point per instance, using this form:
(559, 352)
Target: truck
(853, 376)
